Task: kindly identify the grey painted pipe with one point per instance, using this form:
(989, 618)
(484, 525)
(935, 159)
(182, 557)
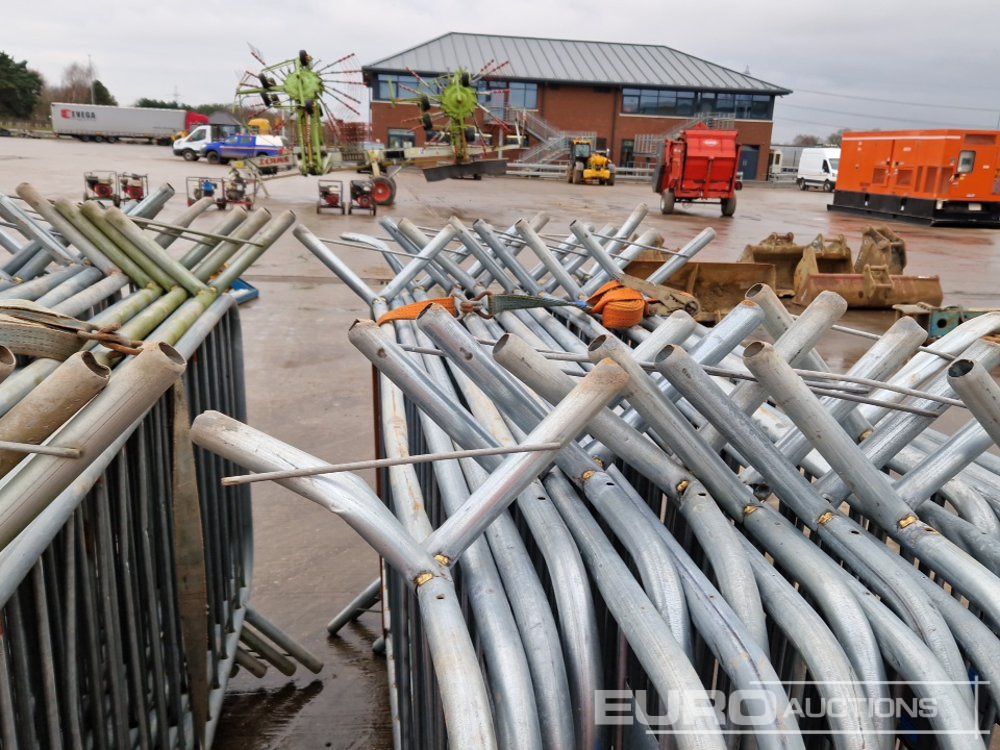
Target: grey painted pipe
(897, 430)
(34, 288)
(413, 241)
(818, 573)
(866, 554)
(544, 254)
(881, 359)
(648, 635)
(85, 299)
(409, 506)
(148, 247)
(925, 365)
(73, 236)
(869, 485)
(506, 257)
(799, 339)
(490, 266)
(632, 251)
(73, 214)
(537, 222)
(226, 226)
(153, 203)
(674, 264)
(720, 539)
(335, 264)
(57, 398)
(71, 286)
(980, 393)
(185, 218)
(32, 230)
(834, 677)
(530, 638)
(433, 248)
(566, 572)
(98, 217)
(777, 320)
(127, 396)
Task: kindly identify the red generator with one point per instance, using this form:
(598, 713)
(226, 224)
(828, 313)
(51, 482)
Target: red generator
(699, 166)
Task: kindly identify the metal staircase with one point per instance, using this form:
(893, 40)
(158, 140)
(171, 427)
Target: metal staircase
(650, 145)
(553, 144)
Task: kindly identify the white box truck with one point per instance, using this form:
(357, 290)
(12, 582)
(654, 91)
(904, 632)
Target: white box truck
(92, 122)
(818, 168)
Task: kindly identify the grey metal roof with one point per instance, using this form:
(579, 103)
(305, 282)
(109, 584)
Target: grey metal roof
(572, 61)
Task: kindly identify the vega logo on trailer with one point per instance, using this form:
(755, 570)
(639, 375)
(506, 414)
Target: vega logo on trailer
(76, 114)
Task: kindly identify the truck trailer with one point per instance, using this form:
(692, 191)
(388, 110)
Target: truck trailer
(93, 122)
(941, 177)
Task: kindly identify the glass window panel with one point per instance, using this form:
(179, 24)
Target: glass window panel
(725, 102)
(685, 104)
(761, 107)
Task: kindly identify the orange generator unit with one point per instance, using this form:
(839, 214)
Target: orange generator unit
(943, 177)
(700, 166)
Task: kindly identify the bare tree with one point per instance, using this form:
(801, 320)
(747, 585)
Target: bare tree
(77, 83)
(806, 140)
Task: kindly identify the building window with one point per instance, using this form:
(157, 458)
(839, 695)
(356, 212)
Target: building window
(390, 86)
(510, 93)
(762, 107)
(672, 103)
(401, 138)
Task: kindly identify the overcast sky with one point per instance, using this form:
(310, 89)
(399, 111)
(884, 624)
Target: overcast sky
(858, 64)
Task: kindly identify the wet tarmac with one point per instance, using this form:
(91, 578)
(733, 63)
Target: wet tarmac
(306, 385)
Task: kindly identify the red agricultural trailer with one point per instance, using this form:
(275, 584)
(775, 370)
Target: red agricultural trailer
(699, 166)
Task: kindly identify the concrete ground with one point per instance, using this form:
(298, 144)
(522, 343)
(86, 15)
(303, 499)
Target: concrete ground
(306, 385)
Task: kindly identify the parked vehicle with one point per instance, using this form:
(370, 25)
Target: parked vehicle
(587, 165)
(243, 146)
(92, 122)
(818, 167)
(192, 147)
(701, 165)
(933, 176)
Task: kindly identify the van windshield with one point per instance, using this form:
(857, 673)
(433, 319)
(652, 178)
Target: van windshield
(834, 164)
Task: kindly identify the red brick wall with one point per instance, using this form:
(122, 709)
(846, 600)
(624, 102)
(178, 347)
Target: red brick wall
(582, 108)
(578, 108)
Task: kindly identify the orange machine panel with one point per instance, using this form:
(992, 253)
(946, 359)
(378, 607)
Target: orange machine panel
(941, 176)
(932, 164)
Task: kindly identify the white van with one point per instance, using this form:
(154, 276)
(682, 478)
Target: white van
(818, 168)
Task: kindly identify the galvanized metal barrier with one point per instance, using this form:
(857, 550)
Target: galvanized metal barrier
(743, 547)
(557, 171)
(124, 566)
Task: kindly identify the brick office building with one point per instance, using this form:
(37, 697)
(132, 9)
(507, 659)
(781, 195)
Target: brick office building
(618, 91)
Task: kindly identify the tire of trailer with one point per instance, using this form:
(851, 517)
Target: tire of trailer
(383, 191)
(729, 206)
(667, 200)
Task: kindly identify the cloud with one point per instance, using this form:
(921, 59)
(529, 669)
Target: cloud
(894, 49)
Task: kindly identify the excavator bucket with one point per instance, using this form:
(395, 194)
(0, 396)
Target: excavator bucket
(780, 251)
(873, 289)
(822, 256)
(718, 287)
(880, 246)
